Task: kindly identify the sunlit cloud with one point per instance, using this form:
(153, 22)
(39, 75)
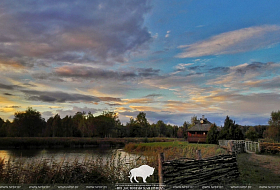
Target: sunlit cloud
(241, 40)
(145, 108)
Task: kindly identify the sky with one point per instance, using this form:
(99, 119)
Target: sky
(169, 59)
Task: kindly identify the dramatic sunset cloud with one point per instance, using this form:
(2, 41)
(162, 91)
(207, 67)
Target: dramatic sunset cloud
(171, 60)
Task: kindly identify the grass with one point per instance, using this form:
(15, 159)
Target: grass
(253, 170)
(174, 150)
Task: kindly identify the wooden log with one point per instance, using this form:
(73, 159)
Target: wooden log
(195, 179)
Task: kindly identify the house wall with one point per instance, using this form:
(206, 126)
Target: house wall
(197, 136)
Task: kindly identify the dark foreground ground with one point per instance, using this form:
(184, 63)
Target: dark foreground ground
(259, 169)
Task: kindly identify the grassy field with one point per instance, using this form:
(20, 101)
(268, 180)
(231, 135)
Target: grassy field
(258, 169)
(174, 150)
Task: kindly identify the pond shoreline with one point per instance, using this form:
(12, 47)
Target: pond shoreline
(71, 142)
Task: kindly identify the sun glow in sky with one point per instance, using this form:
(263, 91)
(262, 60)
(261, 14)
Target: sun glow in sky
(169, 59)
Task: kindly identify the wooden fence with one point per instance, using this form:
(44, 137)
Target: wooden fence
(239, 146)
(215, 170)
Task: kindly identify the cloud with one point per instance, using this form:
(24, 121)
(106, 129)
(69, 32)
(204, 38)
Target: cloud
(69, 112)
(182, 66)
(83, 72)
(167, 34)
(153, 95)
(148, 72)
(138, 101)
(49, 29)
(243, 75)
(91, 73)
(6, 87)
(7, 94)
(241, 40)
(58, 96)
(219, 69)
(12, 107)
(61, 97)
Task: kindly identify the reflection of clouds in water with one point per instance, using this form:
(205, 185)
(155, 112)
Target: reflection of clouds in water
(70, 155)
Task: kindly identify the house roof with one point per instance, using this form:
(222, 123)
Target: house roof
(201, 127)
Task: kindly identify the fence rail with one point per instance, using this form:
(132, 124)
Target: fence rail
(215, 170)
(239, 146)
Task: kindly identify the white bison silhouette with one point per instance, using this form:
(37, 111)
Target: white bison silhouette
(143, 171)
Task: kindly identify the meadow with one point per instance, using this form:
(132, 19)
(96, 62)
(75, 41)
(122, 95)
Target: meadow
(175, 149)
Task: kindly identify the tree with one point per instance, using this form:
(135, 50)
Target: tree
(9, 128)
(186, 126)
(143, 122)
(251, 134)
(29, 123)
(212, 135)
(79, 124)
(180, 132)
(273, 130)
(154, 130)
(104, 125)
(231, 131)
(56, 126)
(3, 130)
(1, 122)
(193, 121)
(67, 126)
(162, 128)
(134, 128)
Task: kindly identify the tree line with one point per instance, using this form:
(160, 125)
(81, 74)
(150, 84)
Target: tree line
(233, 131)
(30, 123)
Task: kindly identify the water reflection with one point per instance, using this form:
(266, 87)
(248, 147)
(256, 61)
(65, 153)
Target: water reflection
(68, 154)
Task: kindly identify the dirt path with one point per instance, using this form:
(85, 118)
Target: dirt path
(267, 161)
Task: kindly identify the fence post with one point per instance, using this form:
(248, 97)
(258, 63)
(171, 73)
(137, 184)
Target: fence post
(160, 161)
(231, 147)
(198, 154)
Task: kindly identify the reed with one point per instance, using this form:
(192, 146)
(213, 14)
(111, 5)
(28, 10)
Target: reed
(91, 170)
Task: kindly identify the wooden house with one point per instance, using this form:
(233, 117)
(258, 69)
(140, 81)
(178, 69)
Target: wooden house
(198, 132)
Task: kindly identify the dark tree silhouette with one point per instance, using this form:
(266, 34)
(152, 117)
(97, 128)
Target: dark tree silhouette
(29, 123)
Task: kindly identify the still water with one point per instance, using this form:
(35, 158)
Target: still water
(66, 154)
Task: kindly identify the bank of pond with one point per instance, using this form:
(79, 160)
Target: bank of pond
(73, 142)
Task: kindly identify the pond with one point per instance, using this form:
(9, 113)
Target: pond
(70, 154)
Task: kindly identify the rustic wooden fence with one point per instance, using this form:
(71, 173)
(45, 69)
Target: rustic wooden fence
(220, 169)
(239, 146)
